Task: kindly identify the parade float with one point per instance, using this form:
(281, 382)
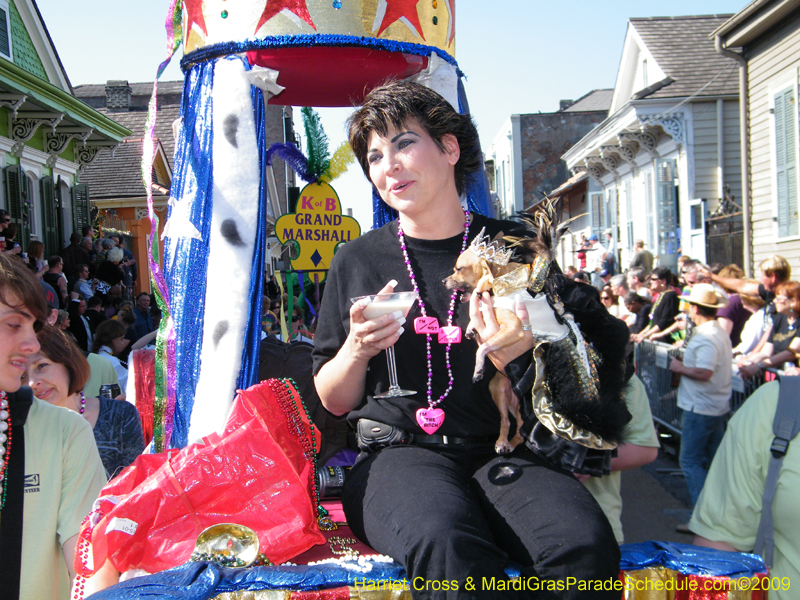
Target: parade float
(232, 485)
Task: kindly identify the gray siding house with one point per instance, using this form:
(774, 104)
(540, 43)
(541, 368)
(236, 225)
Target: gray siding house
(766, 35)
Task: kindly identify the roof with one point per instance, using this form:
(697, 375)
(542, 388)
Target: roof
(754, 21)
(117, 176)
(569, 184)
(137, 120)
(98, 90)
(594, 101)
(684, 51)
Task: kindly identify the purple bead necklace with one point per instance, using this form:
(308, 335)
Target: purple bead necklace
(450, 312)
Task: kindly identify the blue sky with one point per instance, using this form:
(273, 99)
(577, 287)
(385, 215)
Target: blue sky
(519, 56)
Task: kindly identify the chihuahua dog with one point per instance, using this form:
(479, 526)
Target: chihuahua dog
(474, 275)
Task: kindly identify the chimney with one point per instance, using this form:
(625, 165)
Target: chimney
(118, 96)
(562, 104)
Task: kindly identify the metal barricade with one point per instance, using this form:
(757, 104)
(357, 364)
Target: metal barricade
(652, 367)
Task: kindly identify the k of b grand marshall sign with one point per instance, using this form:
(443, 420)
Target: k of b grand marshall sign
(317, 228)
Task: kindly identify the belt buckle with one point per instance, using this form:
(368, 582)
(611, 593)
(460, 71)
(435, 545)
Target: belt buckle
(445, 440)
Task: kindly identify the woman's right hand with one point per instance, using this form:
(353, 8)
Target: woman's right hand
(368, 337)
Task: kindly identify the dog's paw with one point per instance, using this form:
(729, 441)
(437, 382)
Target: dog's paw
(470, 333)
(503, 447)
(477, 376)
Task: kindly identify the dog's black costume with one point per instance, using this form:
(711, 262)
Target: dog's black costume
(578, 414)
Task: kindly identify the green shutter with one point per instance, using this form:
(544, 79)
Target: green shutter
(49, 218)
(80, 207)
(17, 196)
(786, 162)
(59, 212)
(5, 49)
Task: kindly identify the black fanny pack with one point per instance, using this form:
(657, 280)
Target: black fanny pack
(372, 436)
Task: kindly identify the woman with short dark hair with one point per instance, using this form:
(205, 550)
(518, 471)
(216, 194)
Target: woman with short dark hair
(441, 502)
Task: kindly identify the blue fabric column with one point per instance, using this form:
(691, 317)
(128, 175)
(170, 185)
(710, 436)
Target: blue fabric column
(186, 258)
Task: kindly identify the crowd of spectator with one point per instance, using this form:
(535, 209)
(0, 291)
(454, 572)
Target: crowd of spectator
(89, 290)
(727, 325)
(759, 316)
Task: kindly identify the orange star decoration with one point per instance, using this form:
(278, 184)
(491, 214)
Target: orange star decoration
(396, 10)
(317, 228)
(273, 7)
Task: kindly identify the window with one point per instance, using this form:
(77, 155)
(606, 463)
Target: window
(666, 193)
(645, 78)
(598, 213)
(649, 212)
(5, 30)
(629, 214)
(50, 237)
(611, 207)
(786, 161)
(16, 188)
(33, 209)
(81, 211)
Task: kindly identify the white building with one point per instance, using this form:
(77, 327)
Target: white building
(669, 149)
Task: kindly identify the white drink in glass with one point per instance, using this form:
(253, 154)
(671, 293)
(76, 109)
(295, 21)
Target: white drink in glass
(402, 302)
(384, 304)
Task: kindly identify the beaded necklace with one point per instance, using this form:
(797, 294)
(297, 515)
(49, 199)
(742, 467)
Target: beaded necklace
(83, 403)
(431, 418)
(5, 445)
(658, 301)
(290, 403)
(285, 390)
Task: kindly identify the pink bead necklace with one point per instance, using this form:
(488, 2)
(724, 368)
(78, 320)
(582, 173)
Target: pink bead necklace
(431, 419)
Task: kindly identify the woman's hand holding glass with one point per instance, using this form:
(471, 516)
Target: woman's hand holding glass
(369, 337)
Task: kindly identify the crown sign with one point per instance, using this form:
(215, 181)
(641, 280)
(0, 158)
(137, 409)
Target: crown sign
(490, 251)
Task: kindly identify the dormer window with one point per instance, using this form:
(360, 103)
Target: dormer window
(5, 30)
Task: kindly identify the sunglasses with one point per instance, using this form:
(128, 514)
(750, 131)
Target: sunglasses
(605, 298)
(295, 318)
(7, 220)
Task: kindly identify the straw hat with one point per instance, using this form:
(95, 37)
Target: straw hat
(704, 294)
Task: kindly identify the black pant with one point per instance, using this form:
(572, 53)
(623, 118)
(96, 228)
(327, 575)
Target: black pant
(450, 515)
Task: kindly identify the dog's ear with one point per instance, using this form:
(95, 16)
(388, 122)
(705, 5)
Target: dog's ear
(485, 282)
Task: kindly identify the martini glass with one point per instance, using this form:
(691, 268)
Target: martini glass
(383, 304)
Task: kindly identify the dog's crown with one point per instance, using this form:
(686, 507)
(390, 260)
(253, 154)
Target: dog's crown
(483, 247)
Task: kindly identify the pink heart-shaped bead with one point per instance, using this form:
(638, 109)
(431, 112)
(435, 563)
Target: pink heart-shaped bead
(430, 419)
